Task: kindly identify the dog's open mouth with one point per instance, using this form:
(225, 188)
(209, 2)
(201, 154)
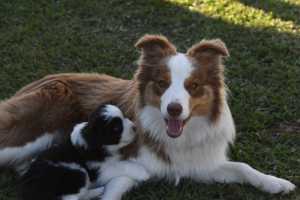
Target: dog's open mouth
(174, 127)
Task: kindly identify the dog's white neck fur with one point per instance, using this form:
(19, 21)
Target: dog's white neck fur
(76, 137)
(202, 144)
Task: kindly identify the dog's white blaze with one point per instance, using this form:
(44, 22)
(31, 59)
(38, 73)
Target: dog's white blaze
(76, 137)
(14, 155)
(113, 111)
(180, 68)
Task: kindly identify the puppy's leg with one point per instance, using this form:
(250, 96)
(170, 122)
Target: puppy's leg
(129, 169)
(117, 187)
(236, 172)
(27, 117)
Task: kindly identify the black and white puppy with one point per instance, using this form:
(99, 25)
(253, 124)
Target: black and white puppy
(90, 157)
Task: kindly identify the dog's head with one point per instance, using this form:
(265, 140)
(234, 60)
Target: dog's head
(180, 85)
(106, 127)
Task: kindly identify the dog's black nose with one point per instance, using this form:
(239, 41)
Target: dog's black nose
(174, 109)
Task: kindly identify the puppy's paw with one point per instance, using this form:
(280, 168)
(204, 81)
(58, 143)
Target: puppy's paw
(276, 185)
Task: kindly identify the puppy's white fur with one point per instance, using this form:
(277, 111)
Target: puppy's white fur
(113, 111)
(17, 155)
(76, 137)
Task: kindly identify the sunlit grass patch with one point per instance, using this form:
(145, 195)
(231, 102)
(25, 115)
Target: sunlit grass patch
(235, 12)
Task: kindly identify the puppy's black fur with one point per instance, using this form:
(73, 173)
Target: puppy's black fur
(62, 170)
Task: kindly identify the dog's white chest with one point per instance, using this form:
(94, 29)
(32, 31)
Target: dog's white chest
(201, 147)
(183, 162)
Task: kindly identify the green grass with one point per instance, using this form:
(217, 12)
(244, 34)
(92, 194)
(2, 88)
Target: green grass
(38, 37)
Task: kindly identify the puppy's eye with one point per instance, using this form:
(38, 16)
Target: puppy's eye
(116, 129)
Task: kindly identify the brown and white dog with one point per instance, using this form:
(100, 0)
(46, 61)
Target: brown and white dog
(178, 101)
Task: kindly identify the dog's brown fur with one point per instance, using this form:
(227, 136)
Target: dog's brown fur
(208, 55)
(58, 102)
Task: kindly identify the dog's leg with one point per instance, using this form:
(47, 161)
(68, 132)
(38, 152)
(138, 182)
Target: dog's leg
(117, 187)
(129, 169)
(70, 197)
(236, 172)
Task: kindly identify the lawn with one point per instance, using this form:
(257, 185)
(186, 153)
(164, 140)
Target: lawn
(40, 37)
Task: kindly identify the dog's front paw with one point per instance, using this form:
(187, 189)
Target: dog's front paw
(94, 194)
(139, 173)
(275, 185)
(144, 175)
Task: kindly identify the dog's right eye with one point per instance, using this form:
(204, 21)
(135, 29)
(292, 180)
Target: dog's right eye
(162, 84)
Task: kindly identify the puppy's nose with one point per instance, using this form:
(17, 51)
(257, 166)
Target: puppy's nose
(174, 109)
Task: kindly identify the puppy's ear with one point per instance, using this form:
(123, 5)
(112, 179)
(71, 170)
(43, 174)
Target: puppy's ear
(208, 50)
(154, 48)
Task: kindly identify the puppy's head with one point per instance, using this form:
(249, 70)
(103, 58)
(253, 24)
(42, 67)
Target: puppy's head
(106, 127)
(174, 87)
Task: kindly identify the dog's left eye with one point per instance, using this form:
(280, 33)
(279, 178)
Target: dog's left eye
(162, 84)
(194, 85)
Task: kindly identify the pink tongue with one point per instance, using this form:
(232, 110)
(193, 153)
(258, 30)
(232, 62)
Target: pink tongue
(174, 128)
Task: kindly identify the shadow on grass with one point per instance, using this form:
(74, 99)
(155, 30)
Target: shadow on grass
(39, 37)
(281, 9)
(7, 185)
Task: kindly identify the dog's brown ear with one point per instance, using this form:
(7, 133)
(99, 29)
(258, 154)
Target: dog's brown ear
(208, 49)
(155, 47)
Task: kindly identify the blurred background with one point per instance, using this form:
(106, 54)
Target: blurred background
(40, 37)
